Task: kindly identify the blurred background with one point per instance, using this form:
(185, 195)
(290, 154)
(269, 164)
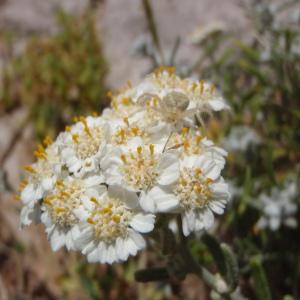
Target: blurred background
(59, 58)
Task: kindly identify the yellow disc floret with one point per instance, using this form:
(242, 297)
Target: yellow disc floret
(110, 218)
(88, 141)
(193, 189)
(139, 167)
(63, 200)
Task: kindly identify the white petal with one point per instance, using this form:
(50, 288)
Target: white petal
(290, 222)
(49, 230)
(192, 161)
(137, 239)
(94, 191)
(47, 183)
(143, 222)
(83, 238)
(190, 218)
(185, 227)
(76, 166)
(206, 142)
(131, 246)
(113, 176)
(211, 170)
(168, 168)
(93, 181)
(208, 218)
(274, 223)
(133, 143)
(272, 210)
(216, 207)
(101, 250)
(46, 220)
(81, 213)
(93, 256)
(89, 247)
(103, 255)
(128, 197)
(27, 194)
(199, 225)
(69, 241)
(217, 105)
(112, 158)
(164, 202)
(75, 232)
(220, 190)
(30, 214)
(67, 153)
(71, 160)
(121, 250)
(112, 255)
(86, 202)
(57, 239)
(146, 202)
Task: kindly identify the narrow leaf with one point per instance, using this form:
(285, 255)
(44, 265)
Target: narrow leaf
(261, 286)
(215, 250)
(232, 269)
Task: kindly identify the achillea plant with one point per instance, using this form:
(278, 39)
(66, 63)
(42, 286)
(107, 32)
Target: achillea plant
(110, 183)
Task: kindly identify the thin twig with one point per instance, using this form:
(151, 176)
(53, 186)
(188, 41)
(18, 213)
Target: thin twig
(152, 28)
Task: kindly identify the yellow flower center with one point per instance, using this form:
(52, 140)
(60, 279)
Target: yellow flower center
(87, 142)
(110, 219)
(63, 200)
(139, 167)
(202, 90)
(193, 189)
(123, 134)
(190, 142)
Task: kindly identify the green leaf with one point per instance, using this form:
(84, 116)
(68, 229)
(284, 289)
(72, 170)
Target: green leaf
(215, 250)
(261, 286)
(250, 52)
(232, 269)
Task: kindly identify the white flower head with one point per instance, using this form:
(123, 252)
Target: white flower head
(190, 142)
(84, 145)
(111, 227)
(204, 96)
(175, 100)
(99, 187)
(58, 208)
(200, 191)
(41, 178)
(279, 208)
(241, 138)
(42, 174)
(142, 168)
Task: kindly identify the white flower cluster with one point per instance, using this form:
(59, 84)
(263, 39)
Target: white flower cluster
(240, 139)
(99, 187)
(279, 208)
